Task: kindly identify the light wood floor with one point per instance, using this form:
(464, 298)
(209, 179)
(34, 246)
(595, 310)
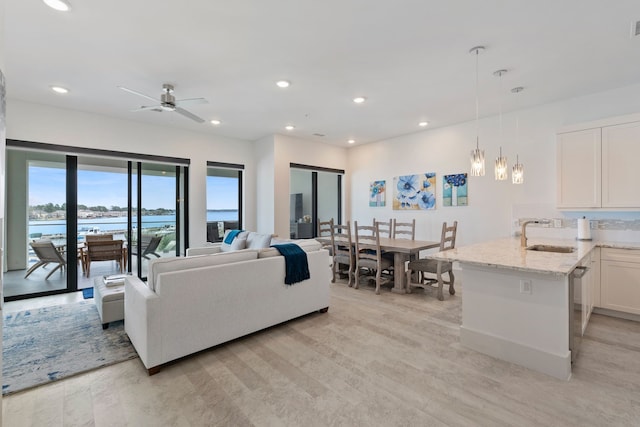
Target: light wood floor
(372, 360)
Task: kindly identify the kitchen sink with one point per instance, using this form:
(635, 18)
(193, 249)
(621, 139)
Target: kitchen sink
(552, 248)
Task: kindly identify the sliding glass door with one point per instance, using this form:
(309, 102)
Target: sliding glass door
(57, 203)
(37, 252)
(315, 195)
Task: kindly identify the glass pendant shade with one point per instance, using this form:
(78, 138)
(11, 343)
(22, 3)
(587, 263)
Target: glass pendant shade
(517, 173)
(477, 162)
(501, 167)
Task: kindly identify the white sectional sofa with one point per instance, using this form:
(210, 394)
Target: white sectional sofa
(210, 297)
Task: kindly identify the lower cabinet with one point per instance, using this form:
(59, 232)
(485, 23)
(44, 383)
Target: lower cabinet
(620, 280)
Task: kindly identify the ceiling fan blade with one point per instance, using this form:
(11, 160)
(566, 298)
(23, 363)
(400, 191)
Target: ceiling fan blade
(189, 115)
(148, 107)
(191, 101)
(135, 92)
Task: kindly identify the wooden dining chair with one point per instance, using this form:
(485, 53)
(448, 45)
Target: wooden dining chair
(342, 250)
(385, 227)
(325, 229)
(368, 254)
(103, 250)
(424, 266)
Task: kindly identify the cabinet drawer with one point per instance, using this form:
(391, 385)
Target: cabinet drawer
(624, 255)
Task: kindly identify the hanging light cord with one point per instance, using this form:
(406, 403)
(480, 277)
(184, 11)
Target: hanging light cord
(477, 103)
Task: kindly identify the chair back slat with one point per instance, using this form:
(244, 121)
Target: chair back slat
(385, 228)
(325, 228)
(404, 230)
(98, 237)
(448, 238)
(46, 251)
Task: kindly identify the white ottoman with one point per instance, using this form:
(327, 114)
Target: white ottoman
(109, 301)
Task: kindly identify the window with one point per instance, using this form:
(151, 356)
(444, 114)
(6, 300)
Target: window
(224, 199)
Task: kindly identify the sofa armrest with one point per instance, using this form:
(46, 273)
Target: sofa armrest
(143, 322)
(205, 250)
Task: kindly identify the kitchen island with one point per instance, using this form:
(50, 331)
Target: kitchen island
(515, 302)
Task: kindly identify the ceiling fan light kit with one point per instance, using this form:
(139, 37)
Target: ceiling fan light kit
(168, 102)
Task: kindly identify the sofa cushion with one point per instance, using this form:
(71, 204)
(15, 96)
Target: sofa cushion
(258, 240)
(158, 266)
(307, 245)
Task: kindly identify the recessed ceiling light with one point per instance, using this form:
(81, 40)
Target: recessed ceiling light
(289, 127)
(359, 99)
(61, 5)
(283, 83)
(423, 124)
(59, 89)
(351, 141)
(215, 122)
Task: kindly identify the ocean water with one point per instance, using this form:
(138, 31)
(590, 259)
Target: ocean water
(54, 227)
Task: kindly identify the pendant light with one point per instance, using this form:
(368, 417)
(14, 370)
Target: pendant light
(477, 155)
(500, 170)
(517, 173)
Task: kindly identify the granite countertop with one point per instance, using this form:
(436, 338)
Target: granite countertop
(508, 254)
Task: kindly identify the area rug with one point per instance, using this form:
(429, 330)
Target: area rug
(51, 343)
(87, 293)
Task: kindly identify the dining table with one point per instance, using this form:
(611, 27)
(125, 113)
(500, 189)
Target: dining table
(402, 250)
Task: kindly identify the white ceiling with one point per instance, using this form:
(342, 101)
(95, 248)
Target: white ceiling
(409, 58)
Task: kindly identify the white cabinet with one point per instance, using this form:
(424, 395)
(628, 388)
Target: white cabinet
(620, 280)
(598, 167)
(620, 171)
(579, 169)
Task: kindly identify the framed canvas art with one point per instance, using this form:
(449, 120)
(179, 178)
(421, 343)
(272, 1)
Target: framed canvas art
(414, 192)
(454, 190)
(377, 193)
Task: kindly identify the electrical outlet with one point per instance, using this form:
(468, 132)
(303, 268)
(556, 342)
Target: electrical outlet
(526, 287)
(557, 223)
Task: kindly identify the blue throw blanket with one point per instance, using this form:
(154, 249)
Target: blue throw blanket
(232, 235)
(295, 261)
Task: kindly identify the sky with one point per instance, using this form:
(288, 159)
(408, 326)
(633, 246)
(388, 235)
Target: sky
(47, 185)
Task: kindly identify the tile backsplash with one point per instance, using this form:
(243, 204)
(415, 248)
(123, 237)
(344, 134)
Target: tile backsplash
(605, 226)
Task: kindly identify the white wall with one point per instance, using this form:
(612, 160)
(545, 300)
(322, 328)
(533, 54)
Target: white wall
(265, 186)
(40, 123)
(446, 150)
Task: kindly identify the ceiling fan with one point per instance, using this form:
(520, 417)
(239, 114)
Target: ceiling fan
(168, 102)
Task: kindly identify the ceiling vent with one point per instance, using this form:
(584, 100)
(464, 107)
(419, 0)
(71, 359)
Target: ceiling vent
(318, 134)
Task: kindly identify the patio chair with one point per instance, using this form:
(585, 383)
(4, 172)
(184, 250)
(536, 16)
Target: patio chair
(46, 253)
(431, 266)
(104, 250)
(149, 246)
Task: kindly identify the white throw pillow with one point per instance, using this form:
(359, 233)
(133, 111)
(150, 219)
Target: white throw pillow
(258, 241)
(240, 242)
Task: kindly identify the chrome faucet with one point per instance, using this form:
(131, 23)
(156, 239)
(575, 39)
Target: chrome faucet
(523, 233)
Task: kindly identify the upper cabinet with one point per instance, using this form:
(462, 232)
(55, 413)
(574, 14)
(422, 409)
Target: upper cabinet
(620, 171)
(597, 167)
(579, 169)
